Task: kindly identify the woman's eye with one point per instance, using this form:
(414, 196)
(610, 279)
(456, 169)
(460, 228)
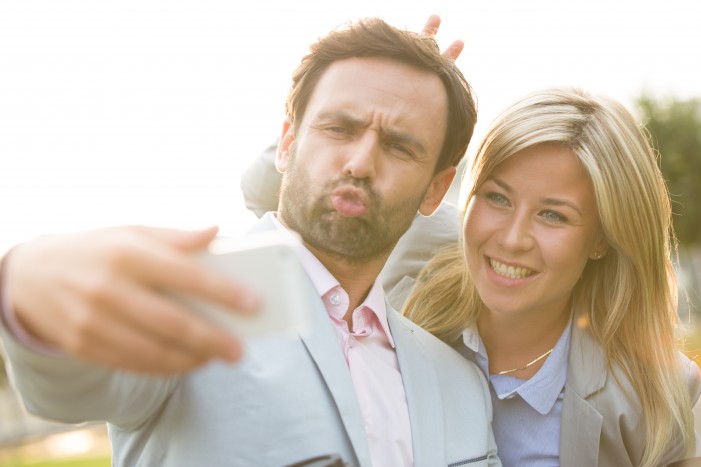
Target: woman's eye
(497, 198)
(552, 216)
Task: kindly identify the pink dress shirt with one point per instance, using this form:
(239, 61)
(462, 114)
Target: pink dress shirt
(372, 362)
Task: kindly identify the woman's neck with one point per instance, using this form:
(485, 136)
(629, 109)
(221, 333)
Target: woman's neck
(513, 341)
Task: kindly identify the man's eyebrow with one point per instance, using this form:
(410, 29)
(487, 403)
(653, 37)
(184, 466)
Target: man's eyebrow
(546, 201)
(393, 135)
(341, 117)
(402, 137)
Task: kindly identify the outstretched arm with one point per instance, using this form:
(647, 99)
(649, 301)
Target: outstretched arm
(103, 296)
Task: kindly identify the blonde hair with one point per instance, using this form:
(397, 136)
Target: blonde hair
(628, 297)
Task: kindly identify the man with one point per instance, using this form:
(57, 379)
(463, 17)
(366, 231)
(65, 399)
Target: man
(260, 184)
(376, 122)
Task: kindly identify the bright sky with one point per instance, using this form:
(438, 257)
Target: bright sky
(147, 111)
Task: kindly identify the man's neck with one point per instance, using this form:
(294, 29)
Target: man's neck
(356, 278)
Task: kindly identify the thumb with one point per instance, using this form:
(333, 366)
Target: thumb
(185, 240)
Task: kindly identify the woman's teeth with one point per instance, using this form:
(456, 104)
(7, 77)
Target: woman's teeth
(509, 271)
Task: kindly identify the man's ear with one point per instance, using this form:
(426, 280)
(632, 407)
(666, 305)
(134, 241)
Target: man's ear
(437, 190)
(283, 148)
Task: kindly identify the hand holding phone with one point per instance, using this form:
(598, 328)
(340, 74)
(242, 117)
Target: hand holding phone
(268, 264)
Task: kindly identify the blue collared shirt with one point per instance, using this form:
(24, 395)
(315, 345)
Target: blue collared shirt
(527, 413)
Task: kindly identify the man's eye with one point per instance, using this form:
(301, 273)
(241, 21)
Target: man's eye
(400, 148)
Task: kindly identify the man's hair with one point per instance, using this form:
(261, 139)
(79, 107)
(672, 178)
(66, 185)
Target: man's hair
(374, 38)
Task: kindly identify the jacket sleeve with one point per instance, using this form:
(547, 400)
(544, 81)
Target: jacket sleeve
(67, 390)
(260, 183)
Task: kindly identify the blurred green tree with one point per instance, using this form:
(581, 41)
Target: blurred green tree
(675, 129)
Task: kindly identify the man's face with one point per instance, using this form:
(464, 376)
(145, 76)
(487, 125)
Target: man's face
(361, 163)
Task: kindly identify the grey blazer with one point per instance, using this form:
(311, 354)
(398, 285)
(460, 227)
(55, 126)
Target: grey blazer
(289, 399)
(600, 425)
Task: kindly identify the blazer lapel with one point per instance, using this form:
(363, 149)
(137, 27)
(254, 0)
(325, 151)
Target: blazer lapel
(422, 394)
(586, 375)
(323, 347)
(580, 431)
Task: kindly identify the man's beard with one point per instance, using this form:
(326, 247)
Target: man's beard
(351, 239)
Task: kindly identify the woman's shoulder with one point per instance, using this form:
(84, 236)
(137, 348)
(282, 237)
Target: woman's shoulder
(588, 366)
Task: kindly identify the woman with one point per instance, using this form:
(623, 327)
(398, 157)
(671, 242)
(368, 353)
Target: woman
(564, 293)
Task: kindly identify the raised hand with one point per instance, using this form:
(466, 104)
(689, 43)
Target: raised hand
(431, 28)
(102, 296)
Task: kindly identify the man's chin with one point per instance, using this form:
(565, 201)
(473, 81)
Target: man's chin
(350, 242)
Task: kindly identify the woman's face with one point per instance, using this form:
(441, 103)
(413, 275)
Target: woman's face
(529, 231)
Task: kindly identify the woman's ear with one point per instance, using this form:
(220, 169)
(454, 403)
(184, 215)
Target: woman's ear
(599, 249)
(284, 145)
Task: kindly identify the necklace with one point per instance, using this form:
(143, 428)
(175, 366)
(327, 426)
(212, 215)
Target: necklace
(533, 362)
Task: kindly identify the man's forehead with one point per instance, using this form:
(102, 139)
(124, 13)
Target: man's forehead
(373, 69)
(357, 88)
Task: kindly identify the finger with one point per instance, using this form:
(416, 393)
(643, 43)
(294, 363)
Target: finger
(432, 24)
(169, 269)
(120, 346)
(103, 335)
(182, 239)
(454, 50)
(167, 321)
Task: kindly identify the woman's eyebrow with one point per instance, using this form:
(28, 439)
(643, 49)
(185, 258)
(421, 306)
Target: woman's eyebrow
(547, 201)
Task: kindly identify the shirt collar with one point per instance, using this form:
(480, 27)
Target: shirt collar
(472, 339)
(543, 389)
(324, 281)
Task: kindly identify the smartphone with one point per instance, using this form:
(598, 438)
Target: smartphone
(268, 264)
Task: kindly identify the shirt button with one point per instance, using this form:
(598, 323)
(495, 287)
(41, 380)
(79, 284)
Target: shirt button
(335, 299)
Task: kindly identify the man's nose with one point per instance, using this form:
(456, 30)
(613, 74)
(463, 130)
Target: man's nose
(362, 156)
